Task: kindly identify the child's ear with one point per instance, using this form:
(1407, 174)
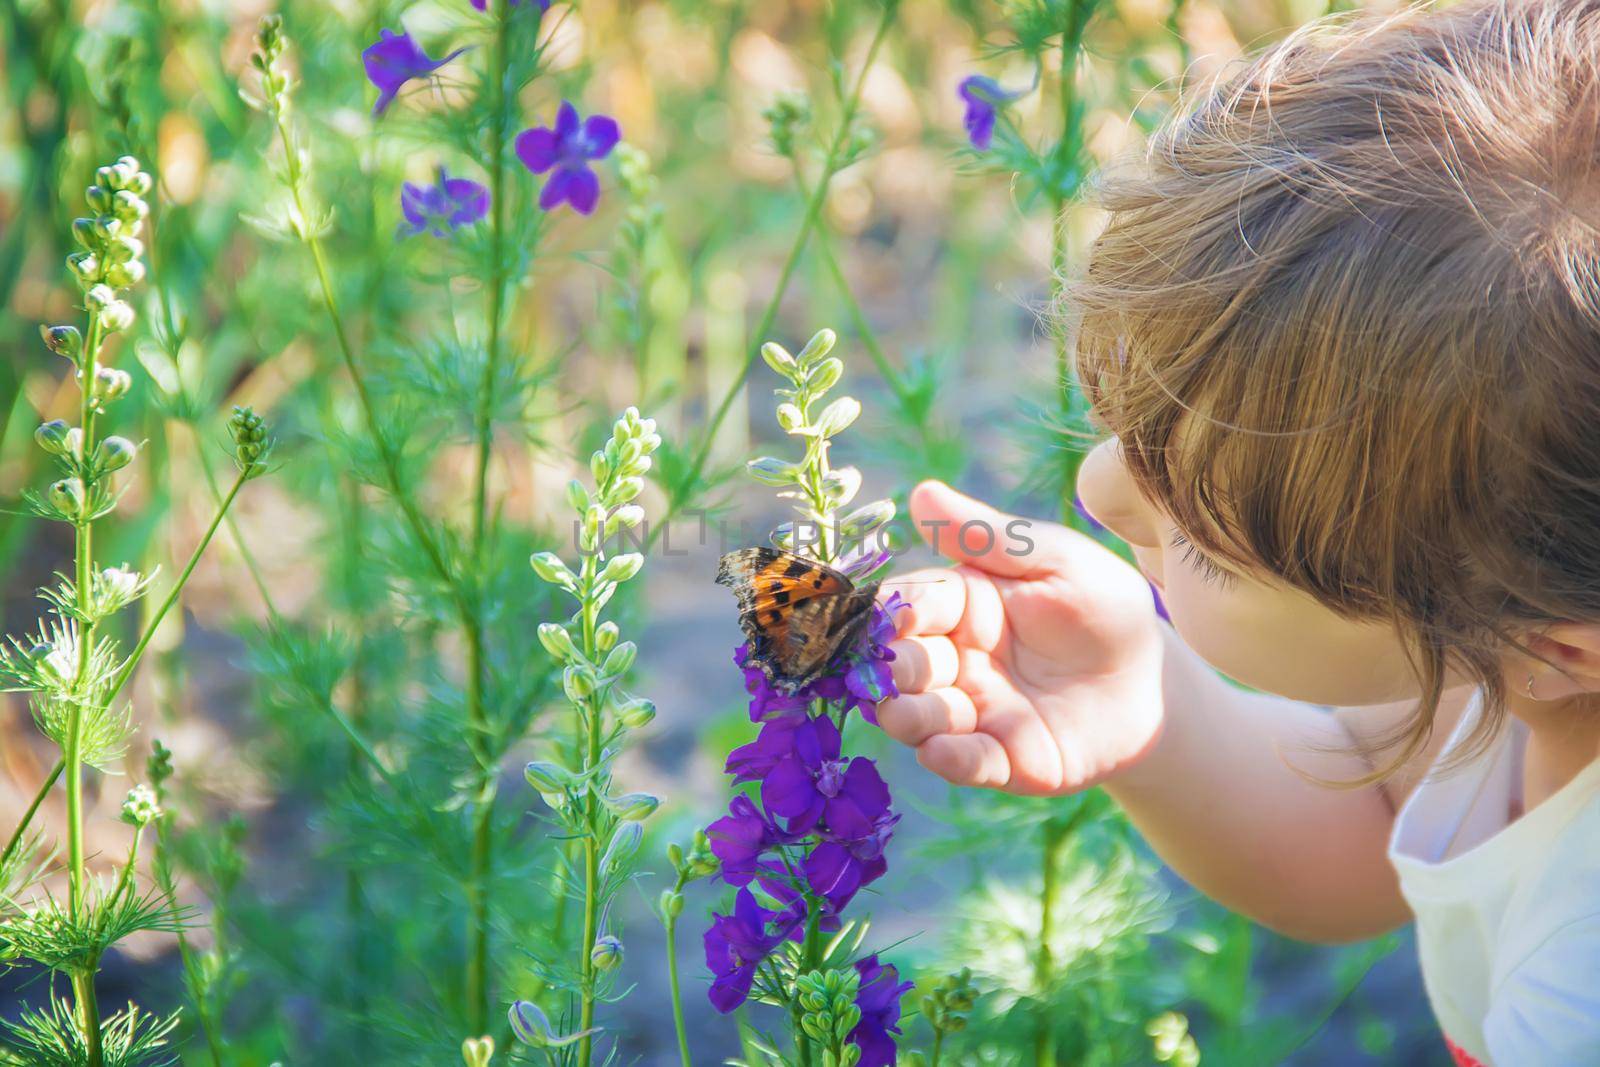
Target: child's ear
(1569, 663)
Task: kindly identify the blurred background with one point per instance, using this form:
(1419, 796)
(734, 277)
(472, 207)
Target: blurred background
(931, 259)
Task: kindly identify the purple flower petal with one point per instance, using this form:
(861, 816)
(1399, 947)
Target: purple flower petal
(538, 148)
(394, 59)
(566, 121)
(600, 135)
(878, 998)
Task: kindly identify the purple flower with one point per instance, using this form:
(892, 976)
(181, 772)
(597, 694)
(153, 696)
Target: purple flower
(737, 944)
(984, 98)
(740, 838)
(568, 149)
(442, 207)
(878, 997)
(813, 784)
(395, 59)
(837, 870)
(753, 762)
(542, 5)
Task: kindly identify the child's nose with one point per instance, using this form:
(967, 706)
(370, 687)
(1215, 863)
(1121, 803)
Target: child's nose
(1108, 492)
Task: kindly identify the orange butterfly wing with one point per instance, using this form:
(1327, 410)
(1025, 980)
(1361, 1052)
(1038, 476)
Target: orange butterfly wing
(795, 611)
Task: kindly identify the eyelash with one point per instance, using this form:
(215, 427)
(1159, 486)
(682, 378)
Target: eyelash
(1209, 571)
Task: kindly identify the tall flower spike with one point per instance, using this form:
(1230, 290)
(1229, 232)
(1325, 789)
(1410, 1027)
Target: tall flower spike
(568, 148)
(394, 59)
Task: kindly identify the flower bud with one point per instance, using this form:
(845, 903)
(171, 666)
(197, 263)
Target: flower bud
(626, 489)
(532, 1026)
(623, 567)
(624, 518)
(111, 384)
(477, 1051)
(605, 635)
(675, 855)
(633, 807)
(557, 641)
(599, 467)
(124, 275)
(548, 565)
(64, 341)
(84, 265)
(67, 497)
(547, 777)
(624, 843)
(865, 519)
(637, 712)
(99, 297)
(129, 207)
(99, 199)
(606, 954)
(577, 496)
(117, 315)
(841, 484)
(620, 659)
(820, 345)
(251, 445)
(125, 249)
(578, 682)
(837, 416)
(779, 359)
(83, 232)
(159, 765)
(825, 375)
(114, 453)
(52, 437)
(790, 418)
(671, 904)
(140, 809)
(769, 470)
(141, 184)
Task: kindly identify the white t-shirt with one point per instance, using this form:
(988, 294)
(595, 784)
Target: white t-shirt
(1507, 910)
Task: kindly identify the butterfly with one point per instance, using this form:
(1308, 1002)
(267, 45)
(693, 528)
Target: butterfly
(798, 613)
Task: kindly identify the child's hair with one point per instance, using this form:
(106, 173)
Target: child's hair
(1345, 320)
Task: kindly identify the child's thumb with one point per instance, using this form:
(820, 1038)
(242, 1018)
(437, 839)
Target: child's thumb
(969, 531)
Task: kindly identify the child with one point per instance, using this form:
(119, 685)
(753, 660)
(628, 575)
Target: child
(1343, 327)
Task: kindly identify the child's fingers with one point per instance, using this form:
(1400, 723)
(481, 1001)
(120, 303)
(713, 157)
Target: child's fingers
(969, 531)
(912, 718)
(934, 598)
(966, 759)
(922, 663)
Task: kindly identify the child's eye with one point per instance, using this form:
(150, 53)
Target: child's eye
(1209, 571)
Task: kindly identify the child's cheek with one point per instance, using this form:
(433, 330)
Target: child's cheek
(1281, 641)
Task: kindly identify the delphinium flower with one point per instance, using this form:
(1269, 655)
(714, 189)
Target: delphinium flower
(446, 205)
(814, 832)
(74, 673)
(577, 782)
(568, 148)
(984, 98)
(394, 59)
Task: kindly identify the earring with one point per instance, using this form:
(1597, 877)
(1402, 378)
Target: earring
(1530, 688)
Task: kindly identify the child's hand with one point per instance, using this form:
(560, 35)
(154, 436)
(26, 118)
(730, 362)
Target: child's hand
(1036, 670)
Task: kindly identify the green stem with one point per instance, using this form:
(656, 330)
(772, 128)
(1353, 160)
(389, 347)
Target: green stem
(477, 717)
(808, 962)
(83, 982)
(176, 590)
(33, 809)
(938, 1044)
(819, 194)
(591, 842)
(162, 866)
(672, 980)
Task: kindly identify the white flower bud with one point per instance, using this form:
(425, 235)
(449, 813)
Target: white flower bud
(824, 375)
(779, 359)
(633, 807)
(636, 712)
(790, 418)
(837, 416)
(620, 659)
(623, 567)
(116, 316)
(115, 453)
(605, 635)
(769, 470)
(549, 566)
(557, 641)
(820, 345)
